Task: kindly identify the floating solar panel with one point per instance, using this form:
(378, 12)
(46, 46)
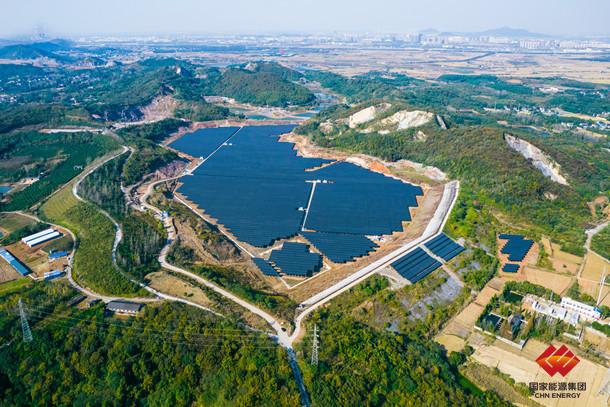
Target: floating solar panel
(517, 247)
(295, 259)
(265, 267)
(256, 187)
(203, 142)
(340, 247)
(415, 265)
(444, 247)
(510, 268)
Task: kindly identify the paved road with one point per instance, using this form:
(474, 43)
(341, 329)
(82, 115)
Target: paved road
(435, 226)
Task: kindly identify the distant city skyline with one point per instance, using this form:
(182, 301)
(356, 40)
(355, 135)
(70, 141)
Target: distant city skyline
(570, 18)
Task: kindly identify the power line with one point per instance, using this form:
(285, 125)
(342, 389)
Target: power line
(237, 331)
(314, 350)
(25, 326)
(201, 342)
(214, 333)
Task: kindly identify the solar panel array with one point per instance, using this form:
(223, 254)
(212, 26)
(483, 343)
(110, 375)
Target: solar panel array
(340, 247)
(510, 268)
(516, 247)
(256, 187)
(444, 247)
(265, 267)
(415, 265)
(295, 259)
(360, 201)
(202, 142)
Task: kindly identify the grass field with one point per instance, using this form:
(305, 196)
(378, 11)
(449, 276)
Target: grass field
(10, 286)
(95, 233)
(11, 222)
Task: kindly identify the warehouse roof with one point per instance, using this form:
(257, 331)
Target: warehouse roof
(124, 306)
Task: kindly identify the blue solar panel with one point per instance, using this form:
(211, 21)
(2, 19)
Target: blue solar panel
(359, 201)
(202, 142)
(510, 268)
(340, 247)
(444, 247)
(415, 265)
(295, 259)
(517, 247)
(256, 187)
(265, 267)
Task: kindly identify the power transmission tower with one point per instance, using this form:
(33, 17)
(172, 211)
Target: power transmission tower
(314, 350)
(25, 326)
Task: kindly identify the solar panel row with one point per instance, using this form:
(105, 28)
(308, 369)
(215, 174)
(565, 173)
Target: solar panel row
(265, 267)
(359, 201)
(510, 268)
(516, 247)
(444, 247)
(340, 247)
(415, 265)
(295, 259)
(202, 142)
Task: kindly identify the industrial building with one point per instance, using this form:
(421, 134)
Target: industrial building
(124, 307)
(41, 237)
(57, 255)
(50, 275)
(14, 262)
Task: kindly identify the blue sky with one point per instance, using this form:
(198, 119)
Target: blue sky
(77, 17)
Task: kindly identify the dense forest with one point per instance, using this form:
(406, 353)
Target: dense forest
(601, 243)
(110, 96)
(171, 355)
(263, 84)
(479, 157)
(362, 365)
(53, 159)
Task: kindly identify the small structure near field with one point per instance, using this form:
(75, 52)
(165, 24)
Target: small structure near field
(57, 255)
(14, 262)
(41, 237)
(50, 275)
(124, 307)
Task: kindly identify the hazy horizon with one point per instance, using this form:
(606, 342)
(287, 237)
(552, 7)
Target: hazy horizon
(190, 17)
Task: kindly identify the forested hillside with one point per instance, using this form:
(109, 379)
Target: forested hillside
(110, 94)
(171, 355)
(493, 175)
(361, 365)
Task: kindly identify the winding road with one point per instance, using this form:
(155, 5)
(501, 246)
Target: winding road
(287, 341)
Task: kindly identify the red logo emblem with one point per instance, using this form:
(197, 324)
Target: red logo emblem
(554, 360)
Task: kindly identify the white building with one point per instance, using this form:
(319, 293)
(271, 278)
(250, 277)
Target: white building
(584, 311)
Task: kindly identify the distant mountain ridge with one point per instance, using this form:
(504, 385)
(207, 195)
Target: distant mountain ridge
(46, 49)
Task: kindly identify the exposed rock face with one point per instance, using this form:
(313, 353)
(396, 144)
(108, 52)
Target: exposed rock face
(366, 115)
(406, 119)
(549, 167)
(326, 127)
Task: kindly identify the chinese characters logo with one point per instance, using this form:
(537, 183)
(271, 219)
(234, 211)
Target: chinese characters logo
(554, 360)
